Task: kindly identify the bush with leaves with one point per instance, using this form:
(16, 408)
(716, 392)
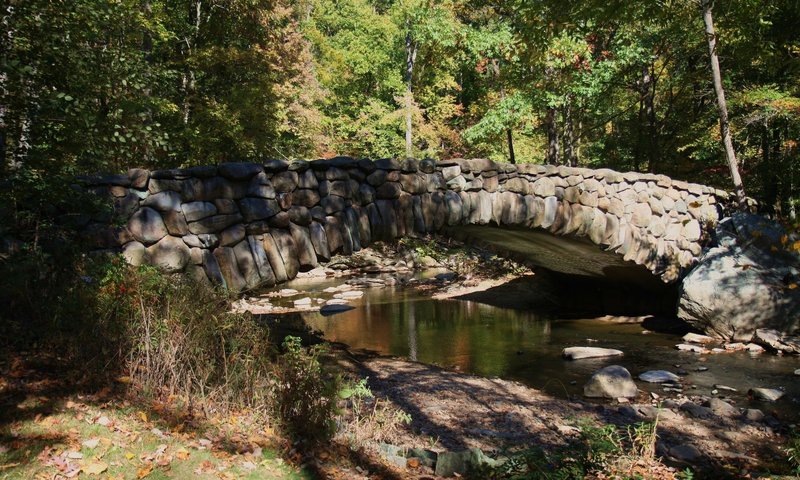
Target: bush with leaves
(368, 419)
(180, 338)
(304, 397)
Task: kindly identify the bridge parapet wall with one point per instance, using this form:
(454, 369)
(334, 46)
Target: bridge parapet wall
(245, 225)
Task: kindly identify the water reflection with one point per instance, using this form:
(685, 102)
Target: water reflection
(525, 345)
(467, 335)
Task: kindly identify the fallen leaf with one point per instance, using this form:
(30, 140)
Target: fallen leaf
(91, 443)
(74, 455)
(182, 454)
(129, 455)
(143, 416)
(204, 467)
(144, 471)
(124, 379)
(95, 468)
(104, 421)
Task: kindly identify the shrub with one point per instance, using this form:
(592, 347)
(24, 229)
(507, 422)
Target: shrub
(168, 334)
(304, 397)
(179, 337)
(608, 450)
(793, 452)
(368, 419)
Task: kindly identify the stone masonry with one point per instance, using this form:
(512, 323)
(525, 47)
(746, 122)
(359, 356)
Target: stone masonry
(245, 225)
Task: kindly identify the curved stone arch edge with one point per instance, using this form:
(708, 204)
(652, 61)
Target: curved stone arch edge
(244, 225)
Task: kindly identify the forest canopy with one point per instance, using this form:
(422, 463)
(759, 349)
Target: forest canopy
(105, 85)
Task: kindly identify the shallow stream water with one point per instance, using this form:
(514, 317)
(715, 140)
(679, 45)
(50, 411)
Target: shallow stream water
(526, 346)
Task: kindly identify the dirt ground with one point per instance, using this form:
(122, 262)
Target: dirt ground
(455, 411)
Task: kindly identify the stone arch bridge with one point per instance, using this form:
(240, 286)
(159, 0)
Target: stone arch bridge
(246, 225)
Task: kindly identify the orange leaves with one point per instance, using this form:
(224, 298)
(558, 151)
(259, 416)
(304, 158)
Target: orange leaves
(182, 454)
(144, 471)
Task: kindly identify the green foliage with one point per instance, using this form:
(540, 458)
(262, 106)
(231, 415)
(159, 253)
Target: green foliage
(686, 474)
(178, 337)
(368, 419)
(102, 86)
(793, 452)
(600, 449)
(168, 335)
(304, 397)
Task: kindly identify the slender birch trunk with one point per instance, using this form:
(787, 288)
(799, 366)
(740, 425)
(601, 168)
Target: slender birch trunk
(730, 154)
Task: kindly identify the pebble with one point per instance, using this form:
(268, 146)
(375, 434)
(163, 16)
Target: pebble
(797, 372)
(701, 369)
(287, 292)
(753, 415)
(578, 353)
(659, 376)
(352, 294)
(685, 453)
(685, 347)
(696, 410)
(722, 408)
(766, 394)
(696, 338)
(303, 302)
(333, 309)
(724, 387)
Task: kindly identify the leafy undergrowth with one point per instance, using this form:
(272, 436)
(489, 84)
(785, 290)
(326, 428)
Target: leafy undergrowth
(51, 429)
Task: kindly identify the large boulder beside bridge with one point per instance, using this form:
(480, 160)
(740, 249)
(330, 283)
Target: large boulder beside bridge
(750, 280)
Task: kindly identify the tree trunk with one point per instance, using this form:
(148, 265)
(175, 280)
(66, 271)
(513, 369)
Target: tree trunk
(569, 135)
(769, 172)
(6, 110)
(511, 157)
(552, 136)
(188, 79)
(509, 136)
(733, 164)
(411, 56)
(653, 151)
(646, 141)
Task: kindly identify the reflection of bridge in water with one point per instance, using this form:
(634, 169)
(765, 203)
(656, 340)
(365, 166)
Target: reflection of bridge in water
(245, 225)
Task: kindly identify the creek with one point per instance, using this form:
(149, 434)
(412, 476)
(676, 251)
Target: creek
(525, 345)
